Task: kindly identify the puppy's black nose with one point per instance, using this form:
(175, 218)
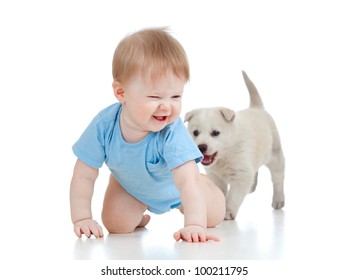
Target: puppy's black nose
(203, 148)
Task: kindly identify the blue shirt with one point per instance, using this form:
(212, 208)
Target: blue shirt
(144, 168)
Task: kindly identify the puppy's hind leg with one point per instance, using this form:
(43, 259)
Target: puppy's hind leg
(277, 169)
(253, 188)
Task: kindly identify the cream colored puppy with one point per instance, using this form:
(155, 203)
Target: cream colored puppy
(235, 145)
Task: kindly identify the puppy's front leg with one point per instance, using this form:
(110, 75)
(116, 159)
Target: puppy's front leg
(240, 186)
(218, 181)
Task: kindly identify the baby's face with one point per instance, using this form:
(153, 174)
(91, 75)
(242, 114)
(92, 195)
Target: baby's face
(151, 106)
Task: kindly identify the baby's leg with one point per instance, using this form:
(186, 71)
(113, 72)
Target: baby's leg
(216, 205)
(122, 213)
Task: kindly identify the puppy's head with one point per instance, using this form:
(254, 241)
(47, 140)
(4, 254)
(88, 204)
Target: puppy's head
(211, 130)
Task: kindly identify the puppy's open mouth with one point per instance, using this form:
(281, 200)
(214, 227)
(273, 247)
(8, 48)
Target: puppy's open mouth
(208, 159)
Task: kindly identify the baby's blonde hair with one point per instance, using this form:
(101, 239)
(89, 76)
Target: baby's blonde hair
(149, 51)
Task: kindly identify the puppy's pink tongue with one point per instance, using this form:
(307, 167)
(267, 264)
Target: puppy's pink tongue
(207, 159)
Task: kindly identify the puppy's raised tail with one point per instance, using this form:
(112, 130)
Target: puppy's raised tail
(255, 99)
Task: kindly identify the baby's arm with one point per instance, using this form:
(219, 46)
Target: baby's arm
(81, 192)
(187, 180)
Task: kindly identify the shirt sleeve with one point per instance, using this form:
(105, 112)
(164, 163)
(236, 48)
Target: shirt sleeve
(90, 148)
(179, 146)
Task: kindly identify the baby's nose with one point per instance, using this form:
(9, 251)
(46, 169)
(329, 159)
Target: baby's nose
(165, 106)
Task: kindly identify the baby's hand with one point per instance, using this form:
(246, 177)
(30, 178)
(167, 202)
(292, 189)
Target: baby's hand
(88, 227)
(194, 233)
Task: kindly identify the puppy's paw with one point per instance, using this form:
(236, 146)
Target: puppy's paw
(278, 204)
(229, 216)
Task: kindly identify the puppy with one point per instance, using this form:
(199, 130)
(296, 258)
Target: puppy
(235, 145)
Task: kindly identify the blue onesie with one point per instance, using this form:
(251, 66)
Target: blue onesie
(144, 168)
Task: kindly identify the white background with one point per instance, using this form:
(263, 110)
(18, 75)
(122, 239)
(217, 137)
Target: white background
(55, 75)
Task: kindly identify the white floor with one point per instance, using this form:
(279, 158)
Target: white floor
(262, 238)
(303, 229)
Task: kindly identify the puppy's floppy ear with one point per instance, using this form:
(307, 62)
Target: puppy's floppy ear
(189, 115)
(227, 114)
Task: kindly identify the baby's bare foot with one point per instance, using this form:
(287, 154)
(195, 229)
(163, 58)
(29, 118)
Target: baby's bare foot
(144, 221)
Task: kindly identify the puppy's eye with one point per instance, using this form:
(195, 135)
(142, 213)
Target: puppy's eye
(215, 133)
(195, 133)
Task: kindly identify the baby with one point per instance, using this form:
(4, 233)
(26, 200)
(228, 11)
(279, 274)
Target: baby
(151, 156)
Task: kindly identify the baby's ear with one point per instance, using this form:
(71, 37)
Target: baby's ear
(118, 91)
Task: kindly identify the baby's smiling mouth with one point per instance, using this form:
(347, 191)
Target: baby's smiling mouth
(160, 118)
